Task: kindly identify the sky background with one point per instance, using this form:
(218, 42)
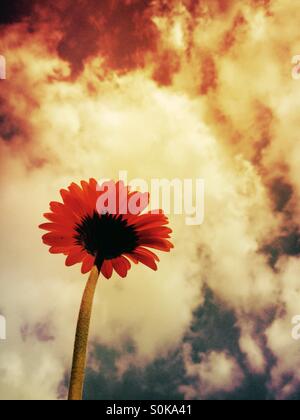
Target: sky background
(161, 89)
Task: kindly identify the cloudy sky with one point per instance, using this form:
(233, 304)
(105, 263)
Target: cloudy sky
(161, 89)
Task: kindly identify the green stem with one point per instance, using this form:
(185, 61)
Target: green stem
(81, 340)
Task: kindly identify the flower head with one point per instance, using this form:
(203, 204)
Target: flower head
(104, 225)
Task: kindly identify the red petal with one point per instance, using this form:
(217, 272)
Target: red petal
(132, 258)
(51, 216)
(59, 250)
(74, 204)
(121, 266)
(87, 264)
(148, 253)
(93, 184)
(59, 219)
(155, 229)
(56, 207)
(107, 269)
(57, 228)
(148, 261)
(150, 220)
(47, 226)
(76, 191)
(160, 233)
(57, 239)
(76, 255)
(155, 243)
(63, 212)
(91, 194)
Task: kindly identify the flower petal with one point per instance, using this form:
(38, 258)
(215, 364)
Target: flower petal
(148, 253)
(55, 238)
(121, 265)
(80, 201)
(56, 228)
(132, 258)
(107, 269)
(87, 264)
(59, 250)
(159, 232)
(149, 220)
(155, 243)
(76, 255)
(144, 259)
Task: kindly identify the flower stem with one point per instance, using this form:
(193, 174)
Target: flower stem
(81, 339)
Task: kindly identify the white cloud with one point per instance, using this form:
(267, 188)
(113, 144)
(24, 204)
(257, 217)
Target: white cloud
(216, 372)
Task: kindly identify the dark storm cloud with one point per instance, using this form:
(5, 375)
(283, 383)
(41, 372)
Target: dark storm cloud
(281, 193)
(8, 128)
(213, 328)
(12, 11)
(119, 31)
(41, 331)
(11, 126)
(288, 244)
(158, 381)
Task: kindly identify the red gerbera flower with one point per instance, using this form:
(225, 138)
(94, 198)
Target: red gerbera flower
(86, 232)
(102, 227)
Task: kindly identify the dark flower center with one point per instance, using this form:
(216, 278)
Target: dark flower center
(106, 236)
